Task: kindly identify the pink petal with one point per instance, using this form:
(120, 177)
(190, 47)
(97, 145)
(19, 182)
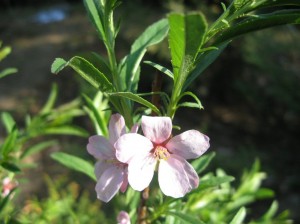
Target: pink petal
(134, 128)
(123, 218)
(109, 183)
(100, 167)
(140, 171)
(100, 147)
(189, 145)
(130, 144)
(176, 177)
(157, 129)
(116, 127)
(124, 185)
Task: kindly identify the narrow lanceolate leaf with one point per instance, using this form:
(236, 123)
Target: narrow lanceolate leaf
(94, 15)
(10, 142)
(65, 130)
(4, 52)
(239, 217)
(185, 217)
(10, 167)
(8, 71)
(259, 22)
(213, 182)
(202, 162)
(138, 99)
(197, 104)
(202, 62)
(74, 163)
(37, 148)
(100, 123)
(86, 70)
(51, 100)
(130, 65)
(185, 38)
(160, 68)
(8, 121)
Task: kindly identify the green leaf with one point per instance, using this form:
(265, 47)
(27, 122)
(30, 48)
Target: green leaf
(239, 217)
(130, 65)
(4, 52)
(3, 202)
(51, 100)
(189, 104)
(10, 167)
(10, 142)
(202, 62)
(202, 162)
(8, 71)
(86, 70)
(185, 39)
(65, 130)
(99, 120)
(37, 148)
(74, 163)
(185, 217)
(213, 182)
(160, 68)
(57, 65)
(8, 121)
(138, 99)
(259, 22)
(92, 7)
(271, 212)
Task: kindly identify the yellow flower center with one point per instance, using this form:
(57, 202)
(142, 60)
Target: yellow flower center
(161, 152)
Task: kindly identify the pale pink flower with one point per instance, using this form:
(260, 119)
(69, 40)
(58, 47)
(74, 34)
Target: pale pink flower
(123, 218)
(7, 186)
(111, 174)
(159, 150)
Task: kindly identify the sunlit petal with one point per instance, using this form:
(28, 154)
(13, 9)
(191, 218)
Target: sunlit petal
(157, 129)
(132, 144)
(116, 127)
(176, 177)
(109, 183)
(140, 171)
(189, 145)
(100, 147)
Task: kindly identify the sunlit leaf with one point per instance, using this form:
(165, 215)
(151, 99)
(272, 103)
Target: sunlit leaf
(185, 217)
(74, 163)
(37, 148)
(202, 62)
(8, 71)
(214, 182)
(101, 124)
(202, 162)
(160, 68)
(86, 70)
(130, 65)
(8, 121)
(239, 217)
(51, 100)
(185, 39)
(259, 22)
(138, 99)
(65, 130)
(10, 142)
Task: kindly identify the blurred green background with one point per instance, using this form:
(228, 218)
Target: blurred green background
(250, 94)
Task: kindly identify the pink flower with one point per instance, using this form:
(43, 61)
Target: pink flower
(111, 173)
(158, 150)
(123, 218)
(7, 186)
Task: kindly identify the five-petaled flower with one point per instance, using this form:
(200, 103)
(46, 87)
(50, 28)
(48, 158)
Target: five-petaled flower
(157, 149)
(112, 175)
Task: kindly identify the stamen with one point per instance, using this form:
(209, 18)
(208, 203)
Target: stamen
(161, 152)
